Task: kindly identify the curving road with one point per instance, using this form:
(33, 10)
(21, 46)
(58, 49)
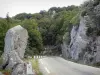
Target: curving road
(60, 66)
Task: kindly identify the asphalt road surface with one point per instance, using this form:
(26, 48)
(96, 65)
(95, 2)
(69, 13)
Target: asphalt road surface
(60, 66)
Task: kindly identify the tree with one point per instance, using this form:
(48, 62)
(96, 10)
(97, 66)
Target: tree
(35, 40)
(22, 16)
(3, 30)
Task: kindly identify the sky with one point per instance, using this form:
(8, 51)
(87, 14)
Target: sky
(32, 6)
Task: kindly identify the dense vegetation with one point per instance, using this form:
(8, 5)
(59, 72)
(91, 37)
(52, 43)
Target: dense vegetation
(45, 28)
(91, 8)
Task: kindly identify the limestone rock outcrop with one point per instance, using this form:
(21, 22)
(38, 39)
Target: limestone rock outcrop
(84, 45)
(82, 48)
(15, 44)
(78, 41)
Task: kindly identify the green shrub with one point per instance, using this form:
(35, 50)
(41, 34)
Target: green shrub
(6, 72)
(97, 64)
(83, 13)
(35, 65)
(1, 60)
(35, 44)
(98, 32)
(75, 20)
(66, 38)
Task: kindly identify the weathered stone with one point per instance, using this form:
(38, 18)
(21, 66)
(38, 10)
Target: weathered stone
(16, 39)
(19, 69)
(15, 44)
(97, 10)
(82, 48)
(78, 41)
(1, 73)
(29, 70)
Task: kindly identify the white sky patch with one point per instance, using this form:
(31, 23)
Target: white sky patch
(32, 6)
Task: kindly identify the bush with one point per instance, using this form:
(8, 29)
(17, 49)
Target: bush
(1, 60)
(67, 38)
(97, 64)
(6, 72)
(83, 13)
(75, 20)
(35, 39)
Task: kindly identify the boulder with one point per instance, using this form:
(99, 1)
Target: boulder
(15, 44)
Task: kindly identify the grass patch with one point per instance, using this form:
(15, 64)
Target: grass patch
(1, 60)
(6, 72)
(35, 65)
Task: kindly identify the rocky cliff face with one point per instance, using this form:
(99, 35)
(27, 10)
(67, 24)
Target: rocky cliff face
(82, 48)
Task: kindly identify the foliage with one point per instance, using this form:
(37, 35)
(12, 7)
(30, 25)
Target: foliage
(5, 24)
(6, 72)
(1, 60)
(91, 9)
(58, 9)
(96, 2)
(66, 38)
(3, 29)
(51, 25)
(36, 16)
(22, 16)
(83, 13)
(75, 20)
(35, 40)
(44, 28)
(96, 64)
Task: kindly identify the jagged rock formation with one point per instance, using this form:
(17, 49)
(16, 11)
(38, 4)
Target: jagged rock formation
(78, 41)
(84, 46)
(15, 44)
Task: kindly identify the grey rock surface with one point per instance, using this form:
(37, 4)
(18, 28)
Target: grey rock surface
(19, 69)
(82, 48)
(1, 73)
(29, 70)
(78, 41)
(15, 44)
